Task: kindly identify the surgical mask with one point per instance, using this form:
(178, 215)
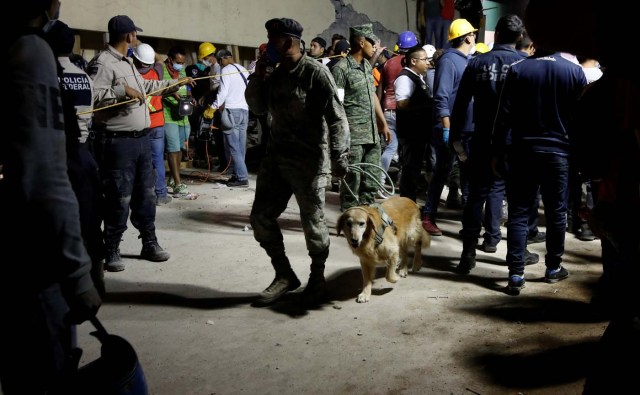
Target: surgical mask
(50, 21)
(177, 67)
(130, 52)
(273, 55)
(206, 62)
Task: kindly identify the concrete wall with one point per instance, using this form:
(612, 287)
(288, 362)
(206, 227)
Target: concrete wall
(241, 22)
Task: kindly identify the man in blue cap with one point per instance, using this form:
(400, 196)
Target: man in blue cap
(122, 141)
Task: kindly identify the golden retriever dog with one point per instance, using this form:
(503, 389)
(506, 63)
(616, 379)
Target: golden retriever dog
(383, 234)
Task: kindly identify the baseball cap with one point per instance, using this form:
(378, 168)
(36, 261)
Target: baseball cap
(121, 24)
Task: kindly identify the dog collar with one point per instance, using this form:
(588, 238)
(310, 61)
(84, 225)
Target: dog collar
(385, 222)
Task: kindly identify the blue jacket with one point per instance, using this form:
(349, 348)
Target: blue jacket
(539, 98)
(449, 71)
(481, 85)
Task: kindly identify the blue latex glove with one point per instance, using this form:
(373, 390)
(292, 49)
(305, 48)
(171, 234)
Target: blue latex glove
(445, 135)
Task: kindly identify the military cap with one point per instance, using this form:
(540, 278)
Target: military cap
(284, 26)
(365, 31)
(321, 41)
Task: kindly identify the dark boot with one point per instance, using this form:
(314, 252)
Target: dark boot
(113, 261)
(468, 257)
(315, 293)
(151, 250)
(285, 281)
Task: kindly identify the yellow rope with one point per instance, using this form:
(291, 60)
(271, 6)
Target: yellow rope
(151, 94)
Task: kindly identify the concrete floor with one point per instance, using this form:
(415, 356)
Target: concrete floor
(434, 332)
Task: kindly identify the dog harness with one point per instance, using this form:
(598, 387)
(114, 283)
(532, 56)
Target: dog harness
(386, 222)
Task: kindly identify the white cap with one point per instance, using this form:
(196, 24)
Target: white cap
(430, 50)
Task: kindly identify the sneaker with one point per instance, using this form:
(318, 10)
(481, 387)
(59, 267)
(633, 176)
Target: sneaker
(238, 184)
(531, 258)
(555, 275)
(584, 233)
(113, 261)
(151, 251)
(430, 226)
(515, 284)
(537, 238)
(488, 248)
(279, 286)
(315, 293)
(171, 184)
(163, 200)
(180, 189)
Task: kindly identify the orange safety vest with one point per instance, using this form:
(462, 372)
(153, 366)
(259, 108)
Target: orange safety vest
(154, 102)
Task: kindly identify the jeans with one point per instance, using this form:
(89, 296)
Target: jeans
(128, 181)
(234, 127)
(156, 138)
(392, 147)
(551, 174)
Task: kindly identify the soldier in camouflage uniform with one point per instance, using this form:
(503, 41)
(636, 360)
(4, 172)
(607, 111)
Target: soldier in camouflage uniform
(308, 126)
(354, 79)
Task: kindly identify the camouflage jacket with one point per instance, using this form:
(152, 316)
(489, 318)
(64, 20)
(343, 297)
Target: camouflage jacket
(308, 121)
(359, 96)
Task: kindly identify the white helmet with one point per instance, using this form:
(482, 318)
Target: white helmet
(145, 54)
(430, 50)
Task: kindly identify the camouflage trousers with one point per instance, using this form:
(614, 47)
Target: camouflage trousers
(278, 179)
(363, 187)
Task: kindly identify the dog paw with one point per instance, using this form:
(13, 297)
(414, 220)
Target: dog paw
(362, 298)
(392, 277)
(403, 273)
(416, 267)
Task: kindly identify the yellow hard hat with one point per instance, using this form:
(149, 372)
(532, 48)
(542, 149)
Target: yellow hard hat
(482, 48)
(206, 49)
(459, 28)
(396, 48)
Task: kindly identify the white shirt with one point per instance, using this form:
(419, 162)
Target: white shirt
(404, 86)
(232, 87)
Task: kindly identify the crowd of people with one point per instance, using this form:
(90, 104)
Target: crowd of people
(519, 127)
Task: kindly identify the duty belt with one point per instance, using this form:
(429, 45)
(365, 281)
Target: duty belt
(134, 134)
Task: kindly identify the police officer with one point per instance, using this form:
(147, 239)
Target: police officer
(356, 89)
(308, 126)
(482, 81)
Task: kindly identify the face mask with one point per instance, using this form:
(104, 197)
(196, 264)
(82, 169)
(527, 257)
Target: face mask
(206, 62)
(273, 55)
(129, 52)
(177, 66)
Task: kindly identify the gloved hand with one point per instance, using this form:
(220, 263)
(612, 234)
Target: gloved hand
(340, 166)
(83, 307)
(445, 135)
(208, 113)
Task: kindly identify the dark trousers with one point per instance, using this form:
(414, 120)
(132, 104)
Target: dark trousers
(551, 174)
(412, 150)
(486, 193)
(128, 180)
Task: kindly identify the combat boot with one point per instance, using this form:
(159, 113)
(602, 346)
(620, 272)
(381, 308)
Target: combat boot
(152, 251)
(315, 293)
(285, 281)
(468, 257)
(113, 261)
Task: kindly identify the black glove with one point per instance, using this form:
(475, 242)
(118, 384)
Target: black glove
(339, 166)
(83, 307)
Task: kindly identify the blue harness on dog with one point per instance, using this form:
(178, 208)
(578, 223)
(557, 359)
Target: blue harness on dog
(385, 222)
